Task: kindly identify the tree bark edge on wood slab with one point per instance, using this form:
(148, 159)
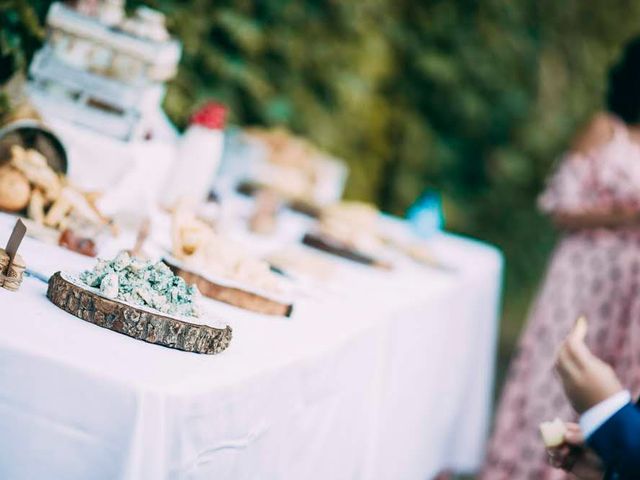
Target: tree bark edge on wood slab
(323, 244)
(137, 323)
(233, 296)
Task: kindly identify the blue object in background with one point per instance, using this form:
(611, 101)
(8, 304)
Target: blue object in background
(425, 215)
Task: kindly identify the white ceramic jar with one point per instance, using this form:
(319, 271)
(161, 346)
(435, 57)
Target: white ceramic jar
(198, 157)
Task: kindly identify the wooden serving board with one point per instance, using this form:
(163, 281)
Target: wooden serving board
(235, 296)
(139, 323)
(329, 245)
(297, 205)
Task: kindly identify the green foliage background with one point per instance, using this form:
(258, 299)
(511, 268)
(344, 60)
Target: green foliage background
(474, 98)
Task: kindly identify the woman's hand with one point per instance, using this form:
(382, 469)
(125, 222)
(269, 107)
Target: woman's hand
(586, 379)
(573, 456)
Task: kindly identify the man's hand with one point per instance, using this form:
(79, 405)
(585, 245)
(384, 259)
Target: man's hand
(586, 379)
(573, 456)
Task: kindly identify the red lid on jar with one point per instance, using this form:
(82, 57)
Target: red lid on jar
(211, 115)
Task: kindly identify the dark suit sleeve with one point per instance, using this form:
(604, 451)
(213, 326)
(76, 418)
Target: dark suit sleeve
(617, 442)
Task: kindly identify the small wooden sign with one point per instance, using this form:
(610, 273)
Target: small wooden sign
(14, 242)
(12, 266)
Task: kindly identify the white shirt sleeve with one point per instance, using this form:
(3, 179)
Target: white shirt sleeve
(593, 418)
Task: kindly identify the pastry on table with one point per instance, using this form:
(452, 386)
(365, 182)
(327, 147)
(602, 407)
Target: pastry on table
(295, 168)
(264, 219)
(353, 223)
(419, 251)
(222, 270)
(37, 170)
(82, 245)
(15, 191)
(36, 205)
(301, 263)
(358, 226)
(350, 230)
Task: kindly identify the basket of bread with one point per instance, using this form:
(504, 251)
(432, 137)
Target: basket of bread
(56, 210)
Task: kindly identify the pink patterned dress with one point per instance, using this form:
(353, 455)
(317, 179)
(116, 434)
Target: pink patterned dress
(595, 272)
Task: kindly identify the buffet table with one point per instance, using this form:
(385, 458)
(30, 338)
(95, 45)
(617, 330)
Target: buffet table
(387, 376)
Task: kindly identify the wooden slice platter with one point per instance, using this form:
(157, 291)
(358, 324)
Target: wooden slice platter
(232, 294)
(326, 244)
(137, 322)
(296, 204)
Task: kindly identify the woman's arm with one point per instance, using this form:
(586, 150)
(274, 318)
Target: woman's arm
(596, 219)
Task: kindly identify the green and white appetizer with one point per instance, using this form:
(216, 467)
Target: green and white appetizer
(147, 284)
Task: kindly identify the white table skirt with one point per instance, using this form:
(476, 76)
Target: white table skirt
(389, 380)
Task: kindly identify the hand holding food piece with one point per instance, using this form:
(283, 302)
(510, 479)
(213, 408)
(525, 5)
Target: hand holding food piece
(573, 456)
(586, 379)
(553, 433)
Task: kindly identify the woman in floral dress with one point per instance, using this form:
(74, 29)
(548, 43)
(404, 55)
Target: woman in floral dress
(594, 198)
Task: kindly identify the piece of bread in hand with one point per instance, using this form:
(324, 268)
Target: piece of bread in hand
(553, 433)
(579, 331)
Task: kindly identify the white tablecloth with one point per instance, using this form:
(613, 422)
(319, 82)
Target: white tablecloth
(390, 379)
